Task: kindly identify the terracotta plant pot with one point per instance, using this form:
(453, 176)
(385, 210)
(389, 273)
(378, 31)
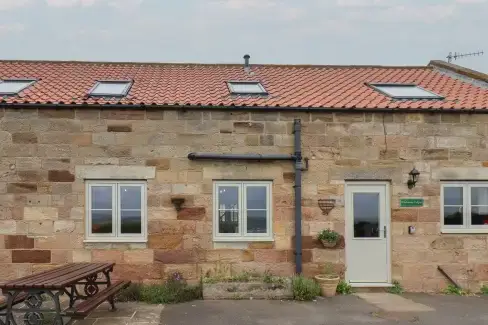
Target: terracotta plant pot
(328, 244)
(328, 284)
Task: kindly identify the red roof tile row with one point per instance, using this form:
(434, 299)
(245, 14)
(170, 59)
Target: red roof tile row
(205, 84)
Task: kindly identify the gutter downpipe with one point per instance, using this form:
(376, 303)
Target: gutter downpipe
(296, 158)
(297, 130)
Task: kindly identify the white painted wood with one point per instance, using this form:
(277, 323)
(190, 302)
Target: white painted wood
(368, 258)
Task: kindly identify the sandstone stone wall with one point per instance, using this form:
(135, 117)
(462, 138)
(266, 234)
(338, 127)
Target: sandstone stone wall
(42, 191)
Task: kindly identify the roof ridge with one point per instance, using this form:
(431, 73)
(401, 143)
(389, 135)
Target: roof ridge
(272, 65)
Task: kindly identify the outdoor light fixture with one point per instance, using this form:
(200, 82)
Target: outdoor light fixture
(414, 176)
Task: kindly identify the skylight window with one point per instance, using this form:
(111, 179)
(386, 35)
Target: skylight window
(246, 88)
(405, 91)
(14, 86)
(111, 88)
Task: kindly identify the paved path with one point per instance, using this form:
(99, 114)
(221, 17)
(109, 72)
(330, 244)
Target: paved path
(347, 310)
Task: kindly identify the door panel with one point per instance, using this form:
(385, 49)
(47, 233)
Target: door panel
(367, 224)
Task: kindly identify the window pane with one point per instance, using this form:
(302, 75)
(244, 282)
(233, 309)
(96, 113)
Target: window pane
(110, 88)
(256, 222)
(479, 216)
(228, 222)
(13, 86)
(453, 196)
(453, 215)
(479, 195)
(256, 197)
(246, 88)
(101, 197)
(406, 91)
(228, 197)
(101, 221)
(130, 197)
(366, 214)
(131, 222)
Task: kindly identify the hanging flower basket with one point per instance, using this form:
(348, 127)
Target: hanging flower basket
(329, 238)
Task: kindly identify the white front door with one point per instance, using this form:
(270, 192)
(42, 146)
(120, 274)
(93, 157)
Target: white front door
(367, 233)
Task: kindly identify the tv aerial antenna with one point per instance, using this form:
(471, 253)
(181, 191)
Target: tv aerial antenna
(457, 55)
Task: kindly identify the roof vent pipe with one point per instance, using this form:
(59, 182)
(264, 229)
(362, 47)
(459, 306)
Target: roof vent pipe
(246, 61)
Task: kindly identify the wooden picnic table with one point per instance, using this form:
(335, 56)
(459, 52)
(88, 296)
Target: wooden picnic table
(54, 283)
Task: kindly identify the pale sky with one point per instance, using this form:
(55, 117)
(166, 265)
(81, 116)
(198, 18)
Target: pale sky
(388, 32)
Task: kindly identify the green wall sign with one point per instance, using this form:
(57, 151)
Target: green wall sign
(411, 202)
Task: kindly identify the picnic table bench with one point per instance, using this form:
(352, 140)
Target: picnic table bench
(35, 289)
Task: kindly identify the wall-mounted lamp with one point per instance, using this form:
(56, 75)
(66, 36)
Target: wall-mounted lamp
(414, 176)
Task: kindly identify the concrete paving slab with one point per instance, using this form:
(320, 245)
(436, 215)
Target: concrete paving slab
(393, 303)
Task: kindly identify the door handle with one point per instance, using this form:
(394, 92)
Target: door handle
(384, 229)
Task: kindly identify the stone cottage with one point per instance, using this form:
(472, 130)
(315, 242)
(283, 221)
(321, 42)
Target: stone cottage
(193, 168)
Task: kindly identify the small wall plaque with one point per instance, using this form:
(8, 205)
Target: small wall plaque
(411, 202)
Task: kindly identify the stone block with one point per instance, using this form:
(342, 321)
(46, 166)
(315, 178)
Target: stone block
(36, 228)
(266, 140)
(224, 255)
(138, 272)
(270, 255)
(8, 227)
(175, 256)
(81, 139)
(328, 256)
(248, 127)
(447, 243)
(18, 242)
(31, 256)
(21, 188)
(261, 245)
(24, 137)
(121, 172)
(193, 213)
(59, 240)
(122, 114)
(61, 256)
(139, 256)
(81, 256)
(107, 255)
(119, 128)
(475, 243)
(450, 142)
(188, 271)
(404, 215)
(429, 215)
(236, 116)
(160, 164)
(60, 176)
(40, 213)
(168, 241)
(435, 154)
(5, 256)
(264, 116)
(64, 226)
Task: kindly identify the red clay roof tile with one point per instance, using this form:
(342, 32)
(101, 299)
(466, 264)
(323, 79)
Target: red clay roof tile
(201, 84)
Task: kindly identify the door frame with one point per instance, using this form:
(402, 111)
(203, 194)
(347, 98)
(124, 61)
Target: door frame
(348, 219)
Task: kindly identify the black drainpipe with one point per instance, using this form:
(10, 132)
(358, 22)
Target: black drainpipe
(296, 158)
(297, 131)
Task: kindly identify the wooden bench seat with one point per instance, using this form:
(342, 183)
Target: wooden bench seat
(20, 298)
(84, 308)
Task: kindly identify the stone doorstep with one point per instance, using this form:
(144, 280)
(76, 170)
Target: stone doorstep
(393, 303)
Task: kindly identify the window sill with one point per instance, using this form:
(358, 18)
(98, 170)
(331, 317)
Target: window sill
(115, 241)
(242, 240)
(464, 231)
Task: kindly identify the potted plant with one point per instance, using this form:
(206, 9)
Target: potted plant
(328, 281)
(329, 238)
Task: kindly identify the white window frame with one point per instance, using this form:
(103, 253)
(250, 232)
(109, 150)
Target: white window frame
(466, 227)
(116, 236)
(242, 236)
